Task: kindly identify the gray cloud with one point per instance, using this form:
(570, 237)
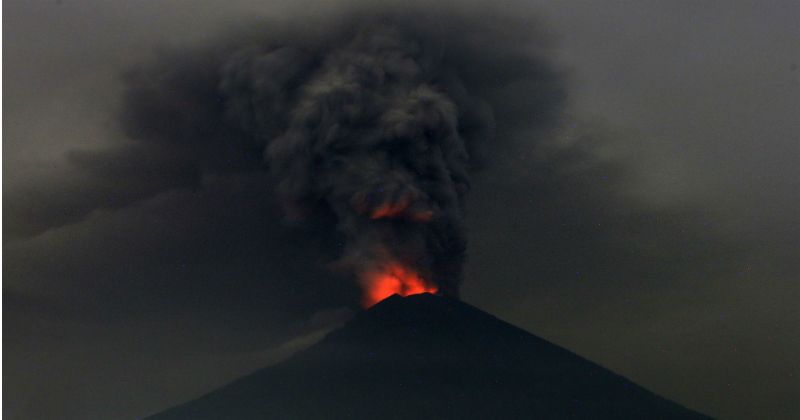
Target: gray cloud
(382, 122)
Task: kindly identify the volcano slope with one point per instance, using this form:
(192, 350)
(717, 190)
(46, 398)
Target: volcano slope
(431, 357)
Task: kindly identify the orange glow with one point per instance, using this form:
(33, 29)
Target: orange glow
(391, 210)
(421, 216)
(393, 279)
(400, 209)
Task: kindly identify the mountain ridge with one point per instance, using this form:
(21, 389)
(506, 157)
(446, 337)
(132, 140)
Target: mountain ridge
(428, 356)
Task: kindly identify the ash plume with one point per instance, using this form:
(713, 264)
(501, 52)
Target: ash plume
(370, 127)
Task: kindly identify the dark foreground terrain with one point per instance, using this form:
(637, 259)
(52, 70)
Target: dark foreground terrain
(430, 357)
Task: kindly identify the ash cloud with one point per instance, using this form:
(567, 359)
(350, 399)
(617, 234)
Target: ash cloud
(170, 252)
(370, 127)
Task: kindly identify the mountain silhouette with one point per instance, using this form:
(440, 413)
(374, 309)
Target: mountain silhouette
(430, 357)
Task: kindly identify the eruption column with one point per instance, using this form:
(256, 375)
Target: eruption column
(393, 279)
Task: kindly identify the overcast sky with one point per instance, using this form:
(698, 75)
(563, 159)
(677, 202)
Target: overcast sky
(654, 233)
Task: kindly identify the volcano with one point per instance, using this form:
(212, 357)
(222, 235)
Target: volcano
(430, 357)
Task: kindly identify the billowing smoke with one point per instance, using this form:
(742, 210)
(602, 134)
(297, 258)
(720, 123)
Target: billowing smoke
(369, 127)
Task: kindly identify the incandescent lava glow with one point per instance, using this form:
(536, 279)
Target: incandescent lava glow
(393, 278)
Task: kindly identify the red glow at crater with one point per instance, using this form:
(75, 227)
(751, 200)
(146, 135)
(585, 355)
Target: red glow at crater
(394, 278)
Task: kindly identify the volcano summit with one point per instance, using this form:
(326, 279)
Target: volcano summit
(430, 357)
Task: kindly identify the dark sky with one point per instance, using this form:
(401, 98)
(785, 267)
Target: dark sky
(654, 232)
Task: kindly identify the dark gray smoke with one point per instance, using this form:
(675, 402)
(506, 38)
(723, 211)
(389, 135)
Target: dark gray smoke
(364, 128)
(370, 127)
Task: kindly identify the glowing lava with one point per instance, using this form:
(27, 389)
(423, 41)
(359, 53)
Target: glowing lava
(393, 279)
